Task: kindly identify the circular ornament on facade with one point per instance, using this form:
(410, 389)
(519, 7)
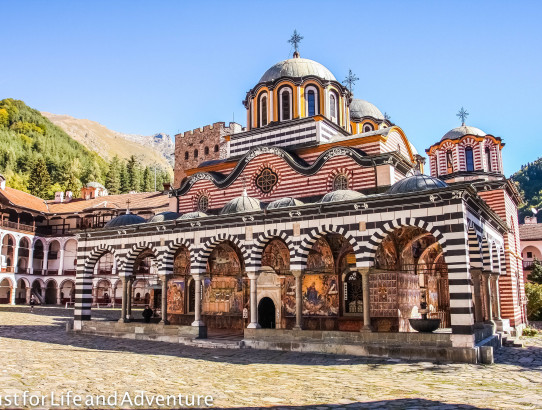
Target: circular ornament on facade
(340, 182)
(266, 180)
(203, 203)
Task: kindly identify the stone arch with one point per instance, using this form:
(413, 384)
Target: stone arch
(381, 233)
(132, 255)
(165, 265)
(200, 263)
(25, 280)
(38, 281)
(475, 254)
(95, 255)
(65, 281)
(261, 242)
(300, 261)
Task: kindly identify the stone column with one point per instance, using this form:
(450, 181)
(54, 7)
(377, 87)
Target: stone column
(58, 299)
(164, 320)
(28, 294)
(61, 260)
(476, 275)
(129, 299)
(16, 258)
(366, 284)
(94, 295)
(487, 284)
(298, 299)
(45, 261)
(197, 305)
(31, 259)
(496, 296)
(253, 276)
(124, 299)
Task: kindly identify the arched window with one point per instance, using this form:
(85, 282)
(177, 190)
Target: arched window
(311, 101)
(449, 162)
(263, 111)
(196, 153)
(488, 160)
(285, 104)
(186, 155)
(340, 182)
(368, 128)
(206, 150)
(216, 147)
(333, 107)
(469, 159)
(203, 203)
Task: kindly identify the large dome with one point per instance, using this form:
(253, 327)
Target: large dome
(461, 131)
(164, 216)
(125, 219)
(297, 67)
(415, 183)
(360, 109)
(242, 203)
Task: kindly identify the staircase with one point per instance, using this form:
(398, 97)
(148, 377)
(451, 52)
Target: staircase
(40, 298)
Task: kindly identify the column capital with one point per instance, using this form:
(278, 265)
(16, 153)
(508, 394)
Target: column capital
(253, 275)
(487, 273)
(475, 271)
(197, 276)
(364, 271)
(297, 273)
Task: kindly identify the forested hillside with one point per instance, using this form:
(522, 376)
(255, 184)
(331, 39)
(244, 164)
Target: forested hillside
(529, 182)
(39, 157)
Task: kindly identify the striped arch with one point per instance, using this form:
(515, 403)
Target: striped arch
(486, 255)
(494, 258)
(128, 265)
(475, 254)
(261, 242)
(95, 255)
(300, 261)
(200, 264)
(502, 262)
(165, 265)
(389, 227)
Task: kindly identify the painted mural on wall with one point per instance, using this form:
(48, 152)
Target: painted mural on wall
(320, 295)
(224, 294)
(181, 263)
(277, 256)
(175, 296)
(288, 295)
(320, 257)
(224, 261)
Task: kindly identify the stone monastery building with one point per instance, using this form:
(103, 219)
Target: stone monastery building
(314, 227)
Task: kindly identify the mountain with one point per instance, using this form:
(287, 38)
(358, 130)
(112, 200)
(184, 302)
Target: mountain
(529, 181)
(149, 150)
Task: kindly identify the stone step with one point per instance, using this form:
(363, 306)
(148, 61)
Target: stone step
(511, 342)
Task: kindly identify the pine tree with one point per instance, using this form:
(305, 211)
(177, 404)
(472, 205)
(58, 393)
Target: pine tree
(148, 180)
(536, 273)
(112, 179)
(132, 169)
(124, 180)
(39, 183)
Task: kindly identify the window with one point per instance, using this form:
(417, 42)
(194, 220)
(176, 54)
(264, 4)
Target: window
(449, 162)
(368, 128)
(353, 293)
(206, 150)
(311, 101)
(333, 107)
(469, 159)
(186, 155)
(203, 203)
(285, 104)
(530, 255)
(266, 180)
(216, 147)
(196, 153)
(488, 160)
(340, 182)
(263, 111)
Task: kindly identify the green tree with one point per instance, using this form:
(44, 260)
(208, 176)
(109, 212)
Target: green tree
(533, 291)
(536, 273)
(4, 117)
(124, 181)
(148, 180)
(73, 184)
(132, 170)
(39, 183)
(112, 179)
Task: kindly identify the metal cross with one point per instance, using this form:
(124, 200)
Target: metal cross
(295, 39)
(350, 80)
(463, 114)
(386, 116)
(127, 206)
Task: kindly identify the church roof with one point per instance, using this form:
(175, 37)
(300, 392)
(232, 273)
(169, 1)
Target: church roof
(284, 203)
(341, 195)
(164, 216)
(242, 203)
(415, 183)
(463, 130)
(24, 200)
(360, 109)
(297, 67)
(191, 215)
(125, 219)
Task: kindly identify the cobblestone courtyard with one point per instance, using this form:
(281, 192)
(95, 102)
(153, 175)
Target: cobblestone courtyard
(39, 356)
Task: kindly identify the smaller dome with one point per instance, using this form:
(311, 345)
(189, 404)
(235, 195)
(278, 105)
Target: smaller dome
(360, 109)
(297, 67)
(192, 215)
(341, 195)
(415, 183)
(164, 216)
(125, 219)
(242, 203)
(284, 203)
(463, 130)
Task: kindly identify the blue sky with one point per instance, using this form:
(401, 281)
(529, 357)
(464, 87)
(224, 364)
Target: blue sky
(168, 66)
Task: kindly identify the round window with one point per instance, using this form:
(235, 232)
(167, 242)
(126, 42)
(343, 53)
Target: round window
(203, 203)
(340, 182)
(266, 180)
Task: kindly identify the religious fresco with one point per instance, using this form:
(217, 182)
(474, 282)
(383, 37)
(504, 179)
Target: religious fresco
(276, 255)
(288, 295)
(320, 258)
(224, 294)
(175, 295)
(181, 262)
(224, 261)
(320, 295)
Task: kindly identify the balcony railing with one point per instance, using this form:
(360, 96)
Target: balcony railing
(528, 265)
(17, 225)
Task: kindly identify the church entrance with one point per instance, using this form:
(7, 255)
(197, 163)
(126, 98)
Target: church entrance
(266, 313)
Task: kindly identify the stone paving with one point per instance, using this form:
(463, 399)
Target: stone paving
(39, 356)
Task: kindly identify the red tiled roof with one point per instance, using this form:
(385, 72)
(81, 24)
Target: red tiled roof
(530, 232)
(24, 200)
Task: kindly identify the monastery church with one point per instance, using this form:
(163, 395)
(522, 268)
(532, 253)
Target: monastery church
(313, 228)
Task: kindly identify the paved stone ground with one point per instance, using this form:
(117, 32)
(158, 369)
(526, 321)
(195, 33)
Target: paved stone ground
(39, 356)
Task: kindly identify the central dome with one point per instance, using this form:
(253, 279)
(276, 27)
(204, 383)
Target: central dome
(297, 67)
(463, 130)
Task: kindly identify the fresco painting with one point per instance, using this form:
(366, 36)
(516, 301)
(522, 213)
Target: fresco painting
(320, 295)
(175, 296)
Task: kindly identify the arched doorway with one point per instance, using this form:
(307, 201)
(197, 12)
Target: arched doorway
(37, 260)
(22, 292)
(50, 293)
(37, 290)
(24, 251)
(266, 313)
(6, 288)
(67, 292)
